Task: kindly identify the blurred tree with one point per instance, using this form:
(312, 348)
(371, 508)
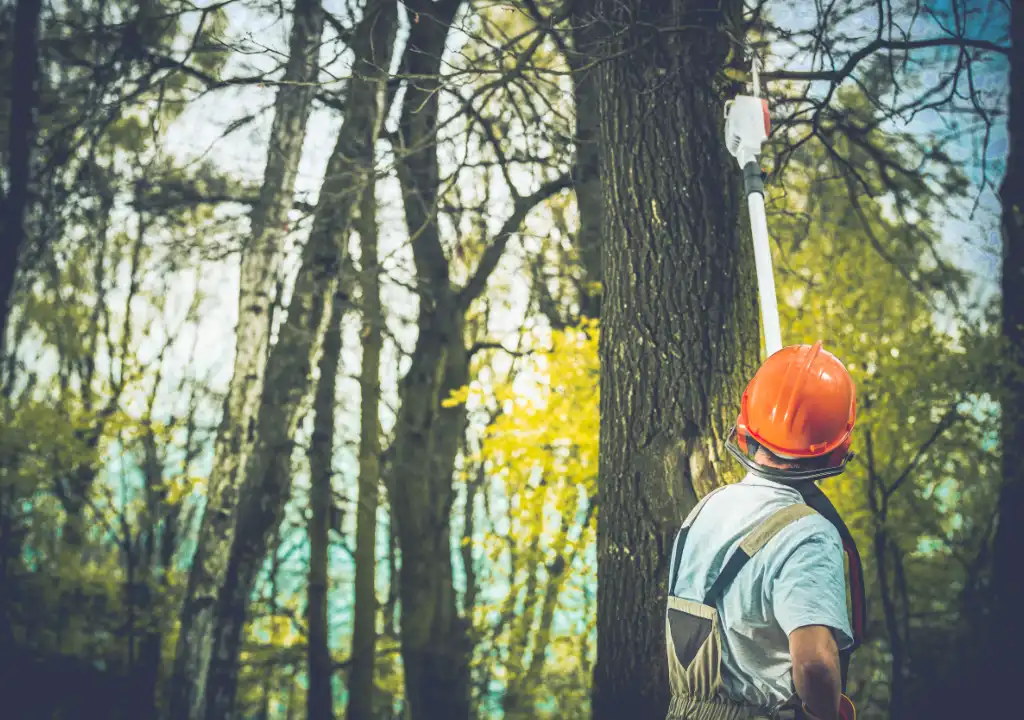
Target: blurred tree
(267, 483)
(364, 632)
(1007, 625)
(20, 135)
(261, 258)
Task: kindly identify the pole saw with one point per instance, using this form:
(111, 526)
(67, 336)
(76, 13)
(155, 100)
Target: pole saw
(747, 124)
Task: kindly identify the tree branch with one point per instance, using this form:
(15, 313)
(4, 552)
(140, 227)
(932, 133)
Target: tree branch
(944, 424)
(840, 74)
(492, 255)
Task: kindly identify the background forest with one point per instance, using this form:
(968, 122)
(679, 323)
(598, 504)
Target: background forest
(304, 306)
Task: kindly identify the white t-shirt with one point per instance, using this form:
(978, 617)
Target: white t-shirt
(797, 579)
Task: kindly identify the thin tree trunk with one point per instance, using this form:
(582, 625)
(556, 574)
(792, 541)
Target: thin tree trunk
(558, 573)
(520, 700)
(586, 170)
(513, 703)
(679, 325)
(319, 698)
(21, 135)
(268, 473)
(433, 657)
(1007, 626)
(878, 502)
(364, 633)
(390, 616)
(261, 260)
(434, 638)
(896, 678)
(468, 532)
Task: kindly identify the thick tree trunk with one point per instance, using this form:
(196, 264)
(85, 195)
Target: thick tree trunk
(319, 699)
(21, 133)
(679, 323)
(1007, 630)
(364, 632)
(268, 472)
(260, 262)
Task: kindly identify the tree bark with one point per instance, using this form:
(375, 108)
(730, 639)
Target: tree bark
(319, 699)
(268, 473)
(261, 260)
(21, 135)
(364, 632)
(679, 325)
(1007, 629)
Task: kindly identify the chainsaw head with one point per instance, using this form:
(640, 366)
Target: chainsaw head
(747, 124)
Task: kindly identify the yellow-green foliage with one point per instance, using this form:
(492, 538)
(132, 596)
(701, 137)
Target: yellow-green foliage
(542, 451)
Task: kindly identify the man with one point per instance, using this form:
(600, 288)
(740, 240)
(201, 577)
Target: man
(757, 613)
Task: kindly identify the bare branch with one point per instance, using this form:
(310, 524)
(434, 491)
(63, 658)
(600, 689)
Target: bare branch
(492, 255)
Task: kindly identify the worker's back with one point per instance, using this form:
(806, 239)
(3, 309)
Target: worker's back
(797, 579)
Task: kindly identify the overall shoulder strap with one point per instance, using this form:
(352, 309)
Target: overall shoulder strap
(752, 544)
(817, 499)
(677, 556)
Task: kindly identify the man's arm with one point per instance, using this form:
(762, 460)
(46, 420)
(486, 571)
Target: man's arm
(808, 596)
(816, 673)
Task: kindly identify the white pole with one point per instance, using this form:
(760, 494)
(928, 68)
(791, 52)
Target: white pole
(765, 279)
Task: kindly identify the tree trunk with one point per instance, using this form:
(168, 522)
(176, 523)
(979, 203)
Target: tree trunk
(268, 472)
(260, 263)
(21, 134)
(433, 638)
(364, 632)
(679, 324)
(319, 699)
(515, 701)
(1007, 629)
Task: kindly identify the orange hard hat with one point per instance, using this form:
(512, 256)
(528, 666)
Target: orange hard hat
(800, 404)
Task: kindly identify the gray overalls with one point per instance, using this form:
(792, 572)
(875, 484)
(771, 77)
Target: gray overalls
(693, 633)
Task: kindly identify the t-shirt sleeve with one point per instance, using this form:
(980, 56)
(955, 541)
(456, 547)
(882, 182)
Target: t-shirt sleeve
(809, 586)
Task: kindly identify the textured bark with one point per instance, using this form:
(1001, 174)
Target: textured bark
(319, 701)
(261, 259)
(21, 133)
(364, 632)
(1007, 630)
(268, 473)
(679, 325)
